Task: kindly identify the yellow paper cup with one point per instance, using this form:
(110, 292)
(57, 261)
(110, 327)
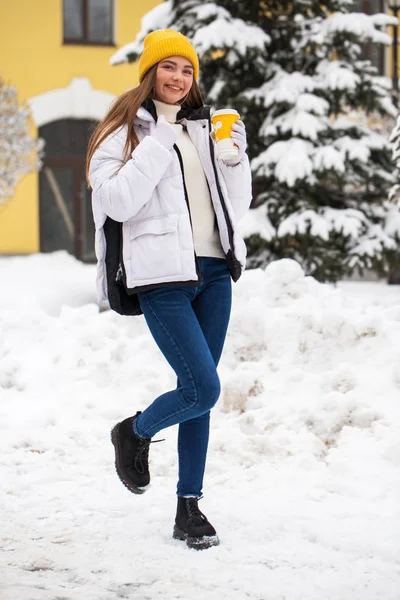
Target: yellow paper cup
(222, 121)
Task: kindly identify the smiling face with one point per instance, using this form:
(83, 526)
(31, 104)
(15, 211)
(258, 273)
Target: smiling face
(174, 79)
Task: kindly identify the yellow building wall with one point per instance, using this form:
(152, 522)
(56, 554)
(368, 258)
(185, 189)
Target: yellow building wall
(34, 60)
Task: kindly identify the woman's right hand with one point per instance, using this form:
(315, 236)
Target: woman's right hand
(165, 133)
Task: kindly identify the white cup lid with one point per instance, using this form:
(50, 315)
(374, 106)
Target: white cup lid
(225, 111)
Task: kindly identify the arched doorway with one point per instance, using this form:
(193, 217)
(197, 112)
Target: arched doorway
(66, 221)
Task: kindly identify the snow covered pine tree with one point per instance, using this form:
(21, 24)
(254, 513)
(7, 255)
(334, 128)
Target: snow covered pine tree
(394, 197)
(19, 152)
(320, 159)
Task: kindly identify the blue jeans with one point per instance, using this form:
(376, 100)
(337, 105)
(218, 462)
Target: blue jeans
(189, 325)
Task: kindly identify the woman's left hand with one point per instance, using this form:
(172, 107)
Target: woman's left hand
(239, 137)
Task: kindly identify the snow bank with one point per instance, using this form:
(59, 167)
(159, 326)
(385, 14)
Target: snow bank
(45, 282)
(303, 470)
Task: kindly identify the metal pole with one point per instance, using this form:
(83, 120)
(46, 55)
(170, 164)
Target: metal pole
(394, 273)
(395, 57)
(394, 268)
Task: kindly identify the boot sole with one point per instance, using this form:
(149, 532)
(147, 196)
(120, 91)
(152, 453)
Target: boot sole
(135, 489)
(201, 543)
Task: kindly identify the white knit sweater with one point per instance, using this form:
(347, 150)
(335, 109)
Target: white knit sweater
(205, 233)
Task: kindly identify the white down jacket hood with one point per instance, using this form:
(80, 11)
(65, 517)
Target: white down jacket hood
(143, 228)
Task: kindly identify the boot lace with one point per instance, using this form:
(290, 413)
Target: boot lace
(196, 517)
(141, 459)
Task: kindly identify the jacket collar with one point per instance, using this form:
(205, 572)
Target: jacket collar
(194, 114)
(150, 108)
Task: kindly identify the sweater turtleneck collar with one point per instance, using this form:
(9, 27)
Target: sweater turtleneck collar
(168, 110)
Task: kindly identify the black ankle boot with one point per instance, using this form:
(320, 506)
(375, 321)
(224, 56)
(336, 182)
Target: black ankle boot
(192, 526)
(131, 456)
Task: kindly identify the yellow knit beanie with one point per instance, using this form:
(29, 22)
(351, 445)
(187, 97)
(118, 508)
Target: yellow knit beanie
(163, 43)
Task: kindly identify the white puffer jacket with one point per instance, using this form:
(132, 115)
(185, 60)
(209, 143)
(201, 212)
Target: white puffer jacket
(147, 197)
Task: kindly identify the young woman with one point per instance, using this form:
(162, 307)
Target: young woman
(166, 211)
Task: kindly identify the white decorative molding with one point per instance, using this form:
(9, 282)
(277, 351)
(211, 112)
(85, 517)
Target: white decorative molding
(77, 101)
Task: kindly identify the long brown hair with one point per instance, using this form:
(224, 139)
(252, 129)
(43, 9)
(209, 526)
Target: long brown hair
(124, 110)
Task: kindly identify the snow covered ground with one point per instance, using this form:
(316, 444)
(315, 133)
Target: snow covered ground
(303, 479)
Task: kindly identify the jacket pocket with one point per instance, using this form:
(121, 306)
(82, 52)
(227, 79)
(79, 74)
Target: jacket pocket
(155, 248)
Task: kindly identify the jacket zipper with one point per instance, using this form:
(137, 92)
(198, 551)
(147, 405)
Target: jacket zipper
(222, 199)
(178, 152)
(236, 266)
(121, 276)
